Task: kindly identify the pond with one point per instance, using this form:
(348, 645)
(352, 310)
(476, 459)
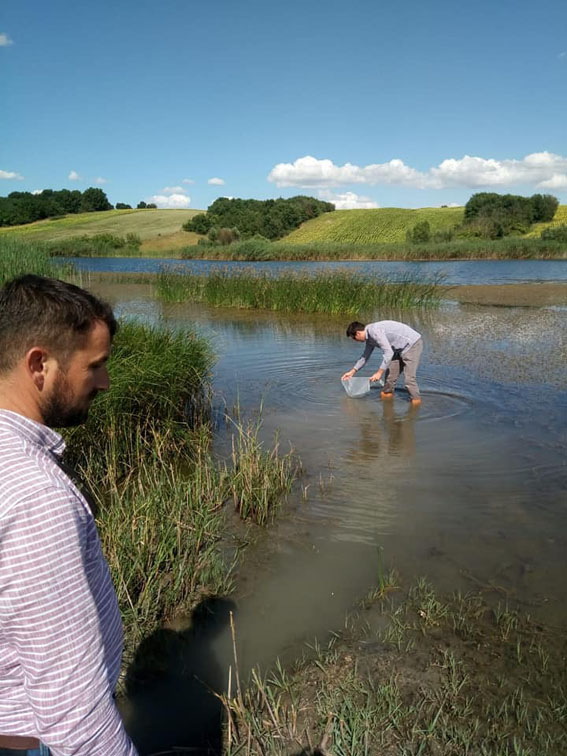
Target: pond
(455, 272)
(468, 490)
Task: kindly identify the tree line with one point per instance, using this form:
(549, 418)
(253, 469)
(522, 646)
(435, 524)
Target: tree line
(19, 208)
(489, 215)
(231, 219)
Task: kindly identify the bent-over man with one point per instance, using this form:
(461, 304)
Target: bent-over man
(60, 628)
(401, 349)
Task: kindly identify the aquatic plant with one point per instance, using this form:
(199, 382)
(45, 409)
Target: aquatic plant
(418, 673)
(18, 257)
(338, 293)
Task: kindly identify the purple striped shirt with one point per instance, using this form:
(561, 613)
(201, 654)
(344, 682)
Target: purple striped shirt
(60, 628)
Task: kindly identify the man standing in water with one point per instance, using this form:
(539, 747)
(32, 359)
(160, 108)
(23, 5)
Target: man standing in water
(60, 628)
(401, 350)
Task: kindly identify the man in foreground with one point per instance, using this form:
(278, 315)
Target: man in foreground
(401, 350)
(60, 628)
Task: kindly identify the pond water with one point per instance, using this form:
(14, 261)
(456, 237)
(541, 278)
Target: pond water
(455, 272)
(468, 490)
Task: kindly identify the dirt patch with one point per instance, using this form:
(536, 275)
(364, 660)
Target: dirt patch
(510, 295)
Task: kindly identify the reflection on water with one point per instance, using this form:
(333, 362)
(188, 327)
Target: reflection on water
(468, 489)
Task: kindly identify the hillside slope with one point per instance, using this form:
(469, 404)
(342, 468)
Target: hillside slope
(388, 224)
(150, 225)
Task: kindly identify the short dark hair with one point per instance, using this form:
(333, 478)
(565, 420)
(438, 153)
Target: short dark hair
(353, 328)
(39, 311)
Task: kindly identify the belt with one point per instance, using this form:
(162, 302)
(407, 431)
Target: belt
(18, 743)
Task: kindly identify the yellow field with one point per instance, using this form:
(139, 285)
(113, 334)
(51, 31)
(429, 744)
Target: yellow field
(387, 224)
(150, 225)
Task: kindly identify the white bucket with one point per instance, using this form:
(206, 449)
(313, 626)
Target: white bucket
(356, 387)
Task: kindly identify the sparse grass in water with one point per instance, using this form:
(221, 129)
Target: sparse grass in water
(498, 689)
(338, 293)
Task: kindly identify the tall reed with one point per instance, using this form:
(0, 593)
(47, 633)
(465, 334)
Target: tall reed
(336, 293)
(512, 248)
(18, 257)
(145, 456)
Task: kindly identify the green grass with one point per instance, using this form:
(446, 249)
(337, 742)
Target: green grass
(147, 224)
(334, 293)
(418, 675)
(383, 225)
(145, 456)
(17, 258)
(513, 248)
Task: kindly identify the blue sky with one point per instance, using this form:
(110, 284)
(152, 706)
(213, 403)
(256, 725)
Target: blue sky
(365, 103)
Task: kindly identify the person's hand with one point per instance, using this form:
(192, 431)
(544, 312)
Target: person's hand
(348, 375)
(376, 376)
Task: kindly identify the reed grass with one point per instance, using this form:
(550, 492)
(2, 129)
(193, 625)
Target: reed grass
(18, 257)
(334, 293)
(512, 248)
(145, 457)
(420, 675)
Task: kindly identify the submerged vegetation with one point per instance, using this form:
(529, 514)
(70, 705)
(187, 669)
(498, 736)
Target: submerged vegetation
(338, 293)
(420, 675)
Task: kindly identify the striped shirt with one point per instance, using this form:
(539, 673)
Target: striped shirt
(387, 335)
(60, 628)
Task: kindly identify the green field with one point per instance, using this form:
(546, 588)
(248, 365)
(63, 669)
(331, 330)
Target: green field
(387, 224)
(149, 225)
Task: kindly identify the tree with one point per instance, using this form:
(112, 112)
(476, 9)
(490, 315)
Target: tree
(545, 206)
(141, 206)
(420, 233)
(94, 199)
(123, 206)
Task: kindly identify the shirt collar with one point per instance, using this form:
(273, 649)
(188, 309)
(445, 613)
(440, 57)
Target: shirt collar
(31, 431)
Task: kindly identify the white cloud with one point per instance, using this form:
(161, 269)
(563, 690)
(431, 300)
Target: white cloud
(348, 200)
(100, 180)
(5, 40)
(557, 181)
(37, 191)
(187, 181)
(74, 176)
(174, 190)
(216, 181)
(538, 169)
(562, 55)
(11, 175)
(170, 201)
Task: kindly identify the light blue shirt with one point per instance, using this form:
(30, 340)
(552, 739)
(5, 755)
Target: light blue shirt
(387, 335)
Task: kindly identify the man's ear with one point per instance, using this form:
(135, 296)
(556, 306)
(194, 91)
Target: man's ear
(37, 362)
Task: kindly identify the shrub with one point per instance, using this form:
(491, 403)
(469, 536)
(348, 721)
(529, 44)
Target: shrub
(555, 233)
(228, 235)
(420, 233)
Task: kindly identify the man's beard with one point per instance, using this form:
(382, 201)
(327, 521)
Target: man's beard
(58, 410)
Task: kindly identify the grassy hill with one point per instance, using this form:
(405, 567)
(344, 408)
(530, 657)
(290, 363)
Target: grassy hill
(388, 224)
(158, 229)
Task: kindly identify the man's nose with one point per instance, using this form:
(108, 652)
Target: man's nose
(103, 382)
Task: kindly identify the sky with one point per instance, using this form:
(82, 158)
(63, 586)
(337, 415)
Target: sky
(365, 104)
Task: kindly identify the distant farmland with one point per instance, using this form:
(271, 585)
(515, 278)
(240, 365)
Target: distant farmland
(156, 228)
(387, 224)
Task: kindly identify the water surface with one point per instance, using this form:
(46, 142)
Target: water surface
(468, 490)
(454, 272)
